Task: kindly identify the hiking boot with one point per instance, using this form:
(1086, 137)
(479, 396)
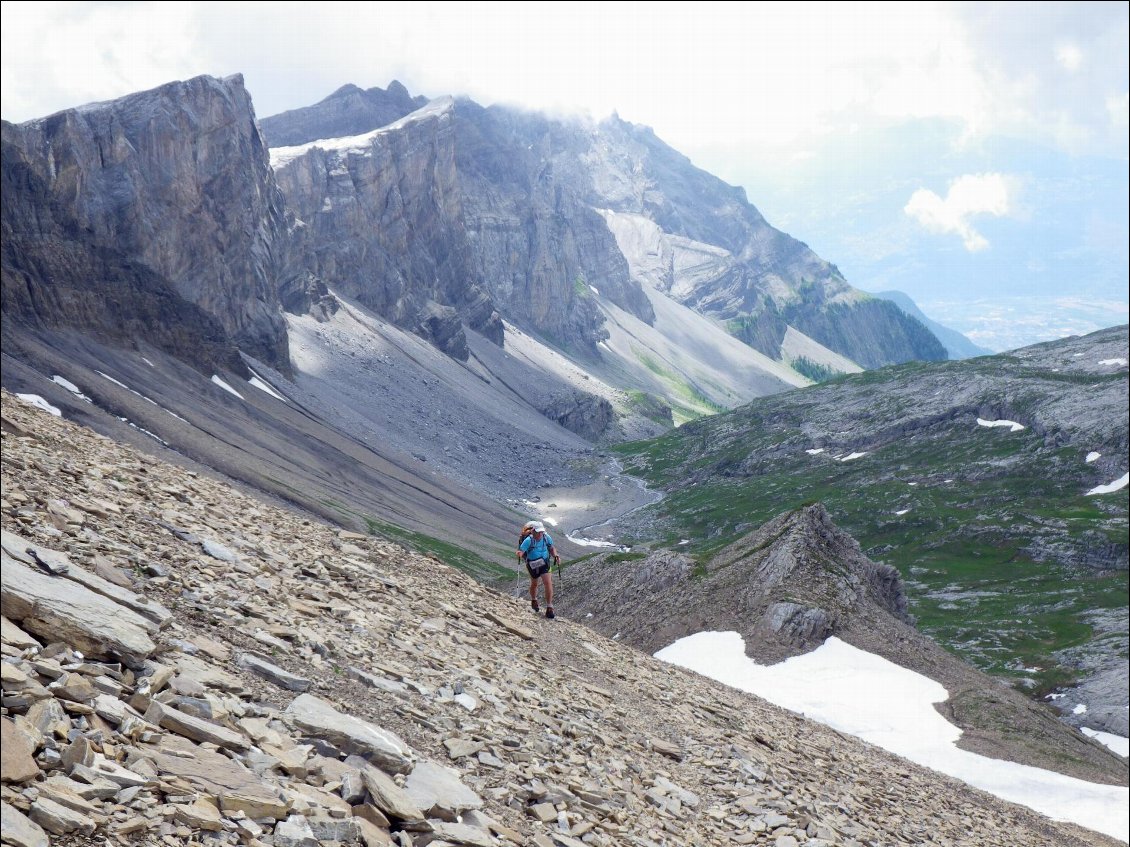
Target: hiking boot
(549, 612)
(534, 605)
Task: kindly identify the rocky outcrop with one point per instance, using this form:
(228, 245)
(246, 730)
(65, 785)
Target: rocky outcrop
(518, 732)
(585, 414)
(786, 588)
(172, 183)
(348, 111)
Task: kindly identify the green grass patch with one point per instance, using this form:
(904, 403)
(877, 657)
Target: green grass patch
(455, 555)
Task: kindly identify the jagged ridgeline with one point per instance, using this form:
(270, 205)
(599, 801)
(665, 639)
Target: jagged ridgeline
(986, 482)
(185, 664)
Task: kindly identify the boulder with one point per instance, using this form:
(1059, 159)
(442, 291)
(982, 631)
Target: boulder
(353, 735)
(58, 609)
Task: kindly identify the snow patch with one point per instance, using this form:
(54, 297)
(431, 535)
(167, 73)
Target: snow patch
(850, 456)
(40, 403)
(1080, 709)
(1119, 744)
(902, 511)
(359, 144)
(838, 685)
(1110, 487)
(1092, 456)
(1117, 363)
(71, 387)
(595, 290)
(815, 451)
(590, 542)
(262, 386)
(1013, 424)
(225, 386)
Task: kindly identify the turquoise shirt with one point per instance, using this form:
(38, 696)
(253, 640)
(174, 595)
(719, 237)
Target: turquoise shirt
(536, 549)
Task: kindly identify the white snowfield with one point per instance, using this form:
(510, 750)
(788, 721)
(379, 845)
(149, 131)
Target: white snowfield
(1110, 487)
(40, 403)
(1116, 363)
(1117, 743)
(1092, 456)
(887, 705)
(1016, 427)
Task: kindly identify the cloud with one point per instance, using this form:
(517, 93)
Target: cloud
(1118, 107)
(968, 195)
(1069, 56)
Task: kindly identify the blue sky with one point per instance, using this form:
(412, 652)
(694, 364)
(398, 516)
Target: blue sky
(973, 155)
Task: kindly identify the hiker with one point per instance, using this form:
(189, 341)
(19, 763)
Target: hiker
(536, 550)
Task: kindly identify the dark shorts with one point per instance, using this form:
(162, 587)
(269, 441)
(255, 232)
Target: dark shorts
(537, 567)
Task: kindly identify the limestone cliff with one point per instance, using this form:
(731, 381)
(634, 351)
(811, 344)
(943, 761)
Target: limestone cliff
(173, 181)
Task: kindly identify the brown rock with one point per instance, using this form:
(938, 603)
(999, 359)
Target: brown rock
(16, 754)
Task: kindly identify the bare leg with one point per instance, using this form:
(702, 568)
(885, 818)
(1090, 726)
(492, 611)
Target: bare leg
(534, 590)
(547, 581)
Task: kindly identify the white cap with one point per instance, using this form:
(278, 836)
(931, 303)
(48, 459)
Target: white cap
(537, 526)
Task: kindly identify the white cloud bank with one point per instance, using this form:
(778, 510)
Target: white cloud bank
(969, 195)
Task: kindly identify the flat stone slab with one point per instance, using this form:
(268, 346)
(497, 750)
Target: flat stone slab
(18, 830)
(228, 781)
(58, 609)
(439, 791)
(350, 734)
(195, 728)
(16, 754)
(270, 671)
(61, 565)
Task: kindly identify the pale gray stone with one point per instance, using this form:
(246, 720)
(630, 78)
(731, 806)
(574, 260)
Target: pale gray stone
(268, 670)
(58, 609)
(16, 829)
(353, 735)
(439, 791)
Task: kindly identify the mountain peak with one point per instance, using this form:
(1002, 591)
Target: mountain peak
(345, 91)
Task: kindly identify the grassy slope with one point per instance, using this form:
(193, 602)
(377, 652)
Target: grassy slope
(978, 498)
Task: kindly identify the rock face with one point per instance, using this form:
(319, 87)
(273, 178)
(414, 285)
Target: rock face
(788, 585)
(494, 209)
(516, 730)
(348, 111)
(436, 211)
(166, 185)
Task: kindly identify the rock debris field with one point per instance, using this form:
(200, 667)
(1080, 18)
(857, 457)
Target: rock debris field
(183, 664)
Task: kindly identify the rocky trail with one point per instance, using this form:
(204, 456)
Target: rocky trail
(184, 664)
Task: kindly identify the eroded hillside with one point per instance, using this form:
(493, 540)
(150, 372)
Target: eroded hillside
(246, 634)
